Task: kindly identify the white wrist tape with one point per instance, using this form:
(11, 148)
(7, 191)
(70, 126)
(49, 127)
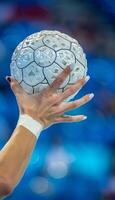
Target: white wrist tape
(32, 125)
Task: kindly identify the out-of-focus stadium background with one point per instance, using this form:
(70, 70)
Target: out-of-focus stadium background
(71, 161)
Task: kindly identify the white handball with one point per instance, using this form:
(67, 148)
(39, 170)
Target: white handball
(42, 56)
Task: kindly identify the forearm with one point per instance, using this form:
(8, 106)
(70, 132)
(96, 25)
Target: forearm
(15, 155)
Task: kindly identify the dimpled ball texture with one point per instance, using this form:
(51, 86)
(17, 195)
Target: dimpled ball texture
(42, 56)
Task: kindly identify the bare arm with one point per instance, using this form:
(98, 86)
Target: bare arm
(47, 108)
(16, 154)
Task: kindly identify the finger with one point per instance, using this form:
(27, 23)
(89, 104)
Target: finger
(59, 80)
(16, 88)
(68, 118)
(73, 89)
(75, 104)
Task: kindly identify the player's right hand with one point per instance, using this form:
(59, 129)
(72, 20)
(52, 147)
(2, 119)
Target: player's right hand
(48, 107)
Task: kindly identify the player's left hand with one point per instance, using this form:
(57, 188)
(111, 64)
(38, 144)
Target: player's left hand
(48, 107)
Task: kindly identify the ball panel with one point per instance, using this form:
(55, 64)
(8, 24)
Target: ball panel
(65, 57)
(49, 32)
(45, 81)
(26, 87)
(33, 74)
(33, 42)
(17, 50)
(38, 88)
(25, 57)
(78, 52)
(68, 38)
(77, 73)
(34, 35)
(52, 72)
(44, 56)
(16, 72)
(56, 42)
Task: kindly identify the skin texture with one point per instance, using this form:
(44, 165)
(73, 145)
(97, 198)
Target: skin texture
(47, 107)
(15, 157)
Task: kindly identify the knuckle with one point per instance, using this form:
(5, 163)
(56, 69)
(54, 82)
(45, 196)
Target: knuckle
(13, 85)
(44, 94)
(55, 111)
(61, 79)
(66, 72)
(71, 89)
(75, 103)
(55, 98)
(80, 102)
(58, 98)
(83, 100)
(86, 98)
(50, 100)
(52, 110)
(55, 83)
(82, 81)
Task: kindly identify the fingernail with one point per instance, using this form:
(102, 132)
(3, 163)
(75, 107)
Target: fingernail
(84, 117)
(91, 95)
(87, 78)
(8, 79)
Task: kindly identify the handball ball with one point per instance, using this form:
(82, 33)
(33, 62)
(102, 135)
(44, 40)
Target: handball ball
(42, 56)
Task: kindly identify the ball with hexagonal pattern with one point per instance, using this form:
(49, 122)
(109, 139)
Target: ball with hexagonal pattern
(42, 56)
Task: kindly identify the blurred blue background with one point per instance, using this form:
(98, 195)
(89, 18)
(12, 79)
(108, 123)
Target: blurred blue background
(71, 161)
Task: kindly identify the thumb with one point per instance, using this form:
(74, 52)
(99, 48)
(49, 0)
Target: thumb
(16, 88)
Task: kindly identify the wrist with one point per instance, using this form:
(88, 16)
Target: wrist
(33, 115)
(34, 126)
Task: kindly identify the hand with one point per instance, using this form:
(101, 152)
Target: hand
(48, 107)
